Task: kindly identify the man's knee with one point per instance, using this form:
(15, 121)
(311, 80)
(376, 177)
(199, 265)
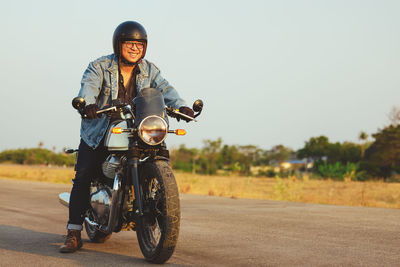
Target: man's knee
(82, 178)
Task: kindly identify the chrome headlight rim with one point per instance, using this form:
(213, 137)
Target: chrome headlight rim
(165, 124)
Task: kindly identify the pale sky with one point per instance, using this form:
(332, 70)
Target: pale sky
(269, 72)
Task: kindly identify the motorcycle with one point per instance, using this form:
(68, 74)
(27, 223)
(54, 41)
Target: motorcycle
(137, 190)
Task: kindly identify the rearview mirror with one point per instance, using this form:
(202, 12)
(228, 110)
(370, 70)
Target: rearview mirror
(198, 105)
(78, 103)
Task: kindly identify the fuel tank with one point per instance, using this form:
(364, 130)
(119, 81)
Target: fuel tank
(117, 142)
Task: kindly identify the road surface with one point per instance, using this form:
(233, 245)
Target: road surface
(215, 231)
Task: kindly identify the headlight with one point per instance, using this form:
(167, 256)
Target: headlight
(153, 130)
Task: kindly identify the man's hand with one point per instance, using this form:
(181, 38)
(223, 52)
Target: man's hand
(90, 111)
(187, 111)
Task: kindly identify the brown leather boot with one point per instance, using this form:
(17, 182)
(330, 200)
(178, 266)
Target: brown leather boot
(73, 242)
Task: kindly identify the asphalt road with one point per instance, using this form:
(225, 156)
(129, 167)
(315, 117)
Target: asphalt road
(215, 231)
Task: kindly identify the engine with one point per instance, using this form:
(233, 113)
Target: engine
(111, 166)
(100, 201)
(101, 196)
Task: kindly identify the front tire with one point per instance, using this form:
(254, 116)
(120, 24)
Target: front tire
(158, 228)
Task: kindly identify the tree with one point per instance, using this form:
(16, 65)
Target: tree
(230, 158)
(249, 155)
(382, 158)
(322, 151)
(349, 152)
(278, 153)
(363, 136)
(184, 158)
(394, 116)
(315, 148)
(209, 157)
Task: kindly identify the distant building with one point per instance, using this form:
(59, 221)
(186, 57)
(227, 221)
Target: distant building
(296, 164)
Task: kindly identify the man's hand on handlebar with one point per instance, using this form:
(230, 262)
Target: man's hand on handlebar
(90, 111)
(187, 111)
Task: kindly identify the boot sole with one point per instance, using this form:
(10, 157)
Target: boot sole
(65, 250)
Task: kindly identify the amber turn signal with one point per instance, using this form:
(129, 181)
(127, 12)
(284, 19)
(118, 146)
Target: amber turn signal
(116, 130)
(180, 132)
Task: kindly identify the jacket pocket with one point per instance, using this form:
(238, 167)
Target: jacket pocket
(104, 97)
(106, 90)
(142, 82)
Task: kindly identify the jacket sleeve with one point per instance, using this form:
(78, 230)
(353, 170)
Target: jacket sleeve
(171, 96)
(91, 83)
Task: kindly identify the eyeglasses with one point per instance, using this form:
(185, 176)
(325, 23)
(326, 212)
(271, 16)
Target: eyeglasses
(131, 44)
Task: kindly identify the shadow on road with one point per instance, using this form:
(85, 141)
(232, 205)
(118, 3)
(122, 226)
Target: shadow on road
(46, 244)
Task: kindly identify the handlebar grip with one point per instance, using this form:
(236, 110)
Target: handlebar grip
(84, 115)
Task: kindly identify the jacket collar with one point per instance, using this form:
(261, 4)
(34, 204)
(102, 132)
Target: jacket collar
(143, 68)
(113, 66)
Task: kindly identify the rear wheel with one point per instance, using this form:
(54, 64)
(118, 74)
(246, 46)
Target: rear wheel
(158, 228)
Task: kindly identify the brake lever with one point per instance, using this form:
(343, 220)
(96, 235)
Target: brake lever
(106, 110)
(176, 112)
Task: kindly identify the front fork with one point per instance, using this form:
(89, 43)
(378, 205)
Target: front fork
(133, 164)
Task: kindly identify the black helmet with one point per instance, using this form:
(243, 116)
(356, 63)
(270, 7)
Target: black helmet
(129, 31)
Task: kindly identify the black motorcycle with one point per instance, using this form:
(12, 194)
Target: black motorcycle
(137, 190)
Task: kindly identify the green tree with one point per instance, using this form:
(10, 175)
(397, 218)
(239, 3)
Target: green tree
(249, 155)
(209, 156)
(322, 151)
(382, 157)
(315, 148)
(229, 157)
(350, 152)
(278, 153)
(184, 158)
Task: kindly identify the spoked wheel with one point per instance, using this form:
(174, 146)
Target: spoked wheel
(95, 235)
(158, 228)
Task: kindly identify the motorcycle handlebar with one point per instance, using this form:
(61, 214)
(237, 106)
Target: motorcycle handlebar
(171, 112)
(79, 104)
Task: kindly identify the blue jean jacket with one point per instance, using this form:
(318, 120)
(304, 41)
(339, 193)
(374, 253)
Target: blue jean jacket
(99, 86)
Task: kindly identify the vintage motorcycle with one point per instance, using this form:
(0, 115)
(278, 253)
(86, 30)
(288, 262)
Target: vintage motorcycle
(137, 190)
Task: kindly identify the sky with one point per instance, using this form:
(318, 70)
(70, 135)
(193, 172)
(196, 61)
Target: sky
(269, 72)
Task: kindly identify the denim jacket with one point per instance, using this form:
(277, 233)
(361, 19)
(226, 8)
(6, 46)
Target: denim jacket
(99, 86)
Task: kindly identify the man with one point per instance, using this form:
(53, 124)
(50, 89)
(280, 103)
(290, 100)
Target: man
(118, 76)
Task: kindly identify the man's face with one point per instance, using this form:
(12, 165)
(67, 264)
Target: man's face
(132, 51)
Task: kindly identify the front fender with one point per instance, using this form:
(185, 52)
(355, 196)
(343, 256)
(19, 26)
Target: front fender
(153, 159)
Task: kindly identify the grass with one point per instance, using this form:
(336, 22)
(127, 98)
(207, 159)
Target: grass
(370, 194)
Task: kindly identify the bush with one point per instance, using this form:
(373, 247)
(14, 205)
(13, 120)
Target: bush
(339, 171)
(270, 173)
(33, 156)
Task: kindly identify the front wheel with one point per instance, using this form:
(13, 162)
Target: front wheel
(158, 228)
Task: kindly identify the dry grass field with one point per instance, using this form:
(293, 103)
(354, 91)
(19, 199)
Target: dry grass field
(371, 194)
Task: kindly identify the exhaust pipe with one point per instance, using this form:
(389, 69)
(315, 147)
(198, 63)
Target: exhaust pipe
(92, 223)
(64, 198)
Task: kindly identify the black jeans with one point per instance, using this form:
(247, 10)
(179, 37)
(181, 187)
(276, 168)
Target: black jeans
(88, 165)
